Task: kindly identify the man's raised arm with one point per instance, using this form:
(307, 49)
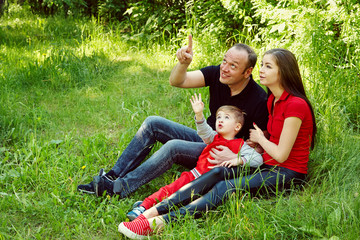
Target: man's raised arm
(179, 76)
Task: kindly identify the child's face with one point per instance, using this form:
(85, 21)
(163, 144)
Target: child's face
(226, 125)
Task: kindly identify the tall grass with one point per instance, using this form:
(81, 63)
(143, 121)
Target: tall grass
(73, 93)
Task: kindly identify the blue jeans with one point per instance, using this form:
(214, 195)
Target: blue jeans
(182, 145)
(215, 186)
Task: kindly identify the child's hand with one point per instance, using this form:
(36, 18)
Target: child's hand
(197, 104)
(230, 163)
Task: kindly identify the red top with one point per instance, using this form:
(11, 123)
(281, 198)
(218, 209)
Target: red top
(290, 106)
(234, 145)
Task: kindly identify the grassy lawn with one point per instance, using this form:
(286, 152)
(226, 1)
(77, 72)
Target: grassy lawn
(73, 94)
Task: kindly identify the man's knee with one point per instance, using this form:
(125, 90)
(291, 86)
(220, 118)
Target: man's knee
(173, 144)
(178, 152)
(151, 121)
(172, 148)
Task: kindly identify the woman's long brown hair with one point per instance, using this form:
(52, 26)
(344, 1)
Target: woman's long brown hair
(290, 79)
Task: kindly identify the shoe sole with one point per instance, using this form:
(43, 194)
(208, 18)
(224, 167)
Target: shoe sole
(130, 234)
(85, 191)
(131, 217)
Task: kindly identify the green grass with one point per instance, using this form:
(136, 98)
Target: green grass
(73, 93)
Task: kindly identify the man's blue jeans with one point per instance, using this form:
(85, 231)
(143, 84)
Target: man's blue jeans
(182, 145)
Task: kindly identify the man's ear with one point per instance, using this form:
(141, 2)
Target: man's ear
(248, 71)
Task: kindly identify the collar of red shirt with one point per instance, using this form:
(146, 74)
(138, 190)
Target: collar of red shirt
(283, 96)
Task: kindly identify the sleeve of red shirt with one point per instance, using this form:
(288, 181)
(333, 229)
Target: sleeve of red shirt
(296, 107)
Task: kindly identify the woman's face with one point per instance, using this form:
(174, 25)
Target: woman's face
(269, 72)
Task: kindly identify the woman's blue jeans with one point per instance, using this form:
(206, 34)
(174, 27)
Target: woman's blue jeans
(215, 186)
(181, 145)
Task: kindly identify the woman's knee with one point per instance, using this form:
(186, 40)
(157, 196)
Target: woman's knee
(219, 173)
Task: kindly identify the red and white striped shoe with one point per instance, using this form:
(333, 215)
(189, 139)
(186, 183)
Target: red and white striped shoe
(139, 229)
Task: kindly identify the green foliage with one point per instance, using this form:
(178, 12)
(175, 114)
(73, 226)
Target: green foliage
(322, 35)
(228, 20)
(149, 20)
(3, 6)
(112, 9)
(74, 91)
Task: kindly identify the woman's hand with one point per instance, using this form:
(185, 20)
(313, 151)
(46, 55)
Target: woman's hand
(256, 134)
(280, 152)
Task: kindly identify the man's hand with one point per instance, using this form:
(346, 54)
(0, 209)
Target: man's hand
(185, 54)
(197, 106)
(179, 76)
(221, 154)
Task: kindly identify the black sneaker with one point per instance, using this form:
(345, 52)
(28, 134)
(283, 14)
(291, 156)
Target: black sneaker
(111, 175)
(89, 188)
(86, 188)
(102, 183)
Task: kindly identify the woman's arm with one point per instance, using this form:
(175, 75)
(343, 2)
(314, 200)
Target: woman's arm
(280, 152)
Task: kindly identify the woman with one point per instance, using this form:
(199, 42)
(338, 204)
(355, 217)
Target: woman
(292, 129)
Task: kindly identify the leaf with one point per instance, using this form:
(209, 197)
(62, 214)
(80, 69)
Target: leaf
(333, 220)
(129, 11)
(56, 142)
(279, 27)
(13, 173)
(334, 217)
(274, 28)
(311, 230)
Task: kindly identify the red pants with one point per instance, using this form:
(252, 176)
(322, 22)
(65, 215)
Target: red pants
(167, 190)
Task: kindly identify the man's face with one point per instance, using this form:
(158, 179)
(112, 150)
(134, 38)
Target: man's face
(233, 67)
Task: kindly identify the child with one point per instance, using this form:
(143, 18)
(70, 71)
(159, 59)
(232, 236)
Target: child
(229, 120)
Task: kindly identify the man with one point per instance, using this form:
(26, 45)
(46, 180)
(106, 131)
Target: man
(230, 83)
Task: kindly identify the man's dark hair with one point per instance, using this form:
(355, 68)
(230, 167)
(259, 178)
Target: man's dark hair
(252, 57)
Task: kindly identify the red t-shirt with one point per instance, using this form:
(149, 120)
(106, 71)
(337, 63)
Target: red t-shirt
(203, 164)
(290, 106)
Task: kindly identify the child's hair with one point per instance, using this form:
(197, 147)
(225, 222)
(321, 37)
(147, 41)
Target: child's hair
(238, 113)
